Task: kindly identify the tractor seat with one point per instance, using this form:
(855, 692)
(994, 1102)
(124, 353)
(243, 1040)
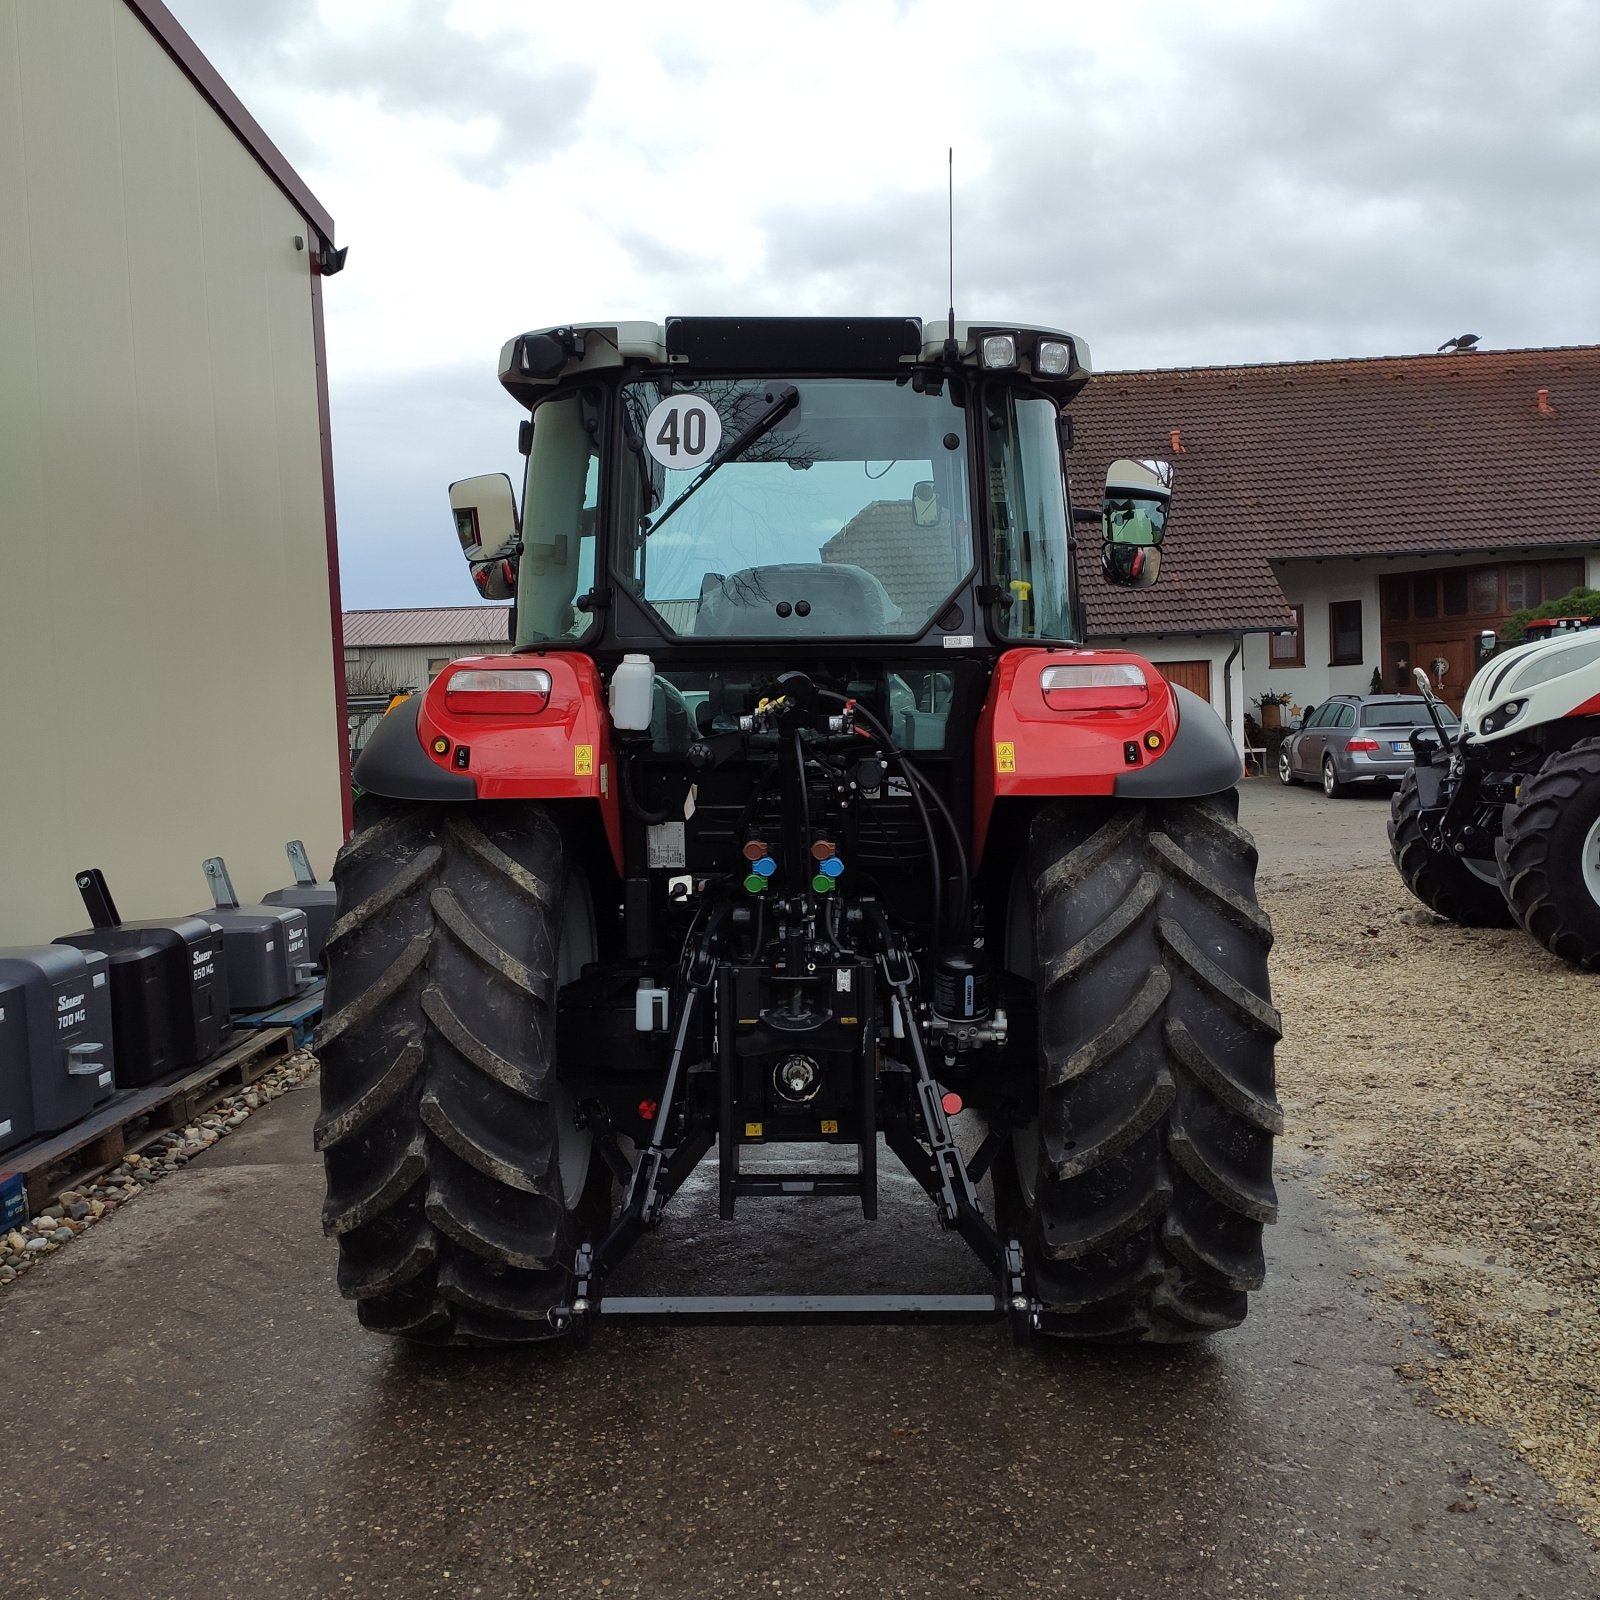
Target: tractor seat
(795, 600)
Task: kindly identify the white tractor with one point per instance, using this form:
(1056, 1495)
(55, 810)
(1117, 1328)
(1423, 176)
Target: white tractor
(1503, 825)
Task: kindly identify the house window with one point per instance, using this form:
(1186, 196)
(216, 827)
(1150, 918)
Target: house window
(1344, 633)
(1486, 592)
(1522, 586)
(1287, 647)
(1561, 578)
(1425, 595)
(436, 665)
(1394, 600)
(1454, 584)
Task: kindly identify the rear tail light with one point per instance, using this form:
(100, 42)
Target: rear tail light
(520, 691)
(1097, 686)
(1363, 744)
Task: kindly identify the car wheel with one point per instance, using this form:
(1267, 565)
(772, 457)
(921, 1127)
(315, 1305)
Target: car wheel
(1331, 786)
(1285, 770)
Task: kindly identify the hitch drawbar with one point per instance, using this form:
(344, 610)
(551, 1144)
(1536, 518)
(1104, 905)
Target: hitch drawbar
(922, 1141)
(1012, 1303)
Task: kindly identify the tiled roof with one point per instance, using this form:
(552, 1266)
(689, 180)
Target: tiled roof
(1410, 455)
(426, 625)
(912, 563)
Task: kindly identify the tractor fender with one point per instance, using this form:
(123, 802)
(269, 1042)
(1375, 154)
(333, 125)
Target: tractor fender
(1028, 748)
(1200, 759)
(395, 765)
(494, 746)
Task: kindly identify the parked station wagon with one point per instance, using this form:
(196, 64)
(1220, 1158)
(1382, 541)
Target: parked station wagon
(1355, 738)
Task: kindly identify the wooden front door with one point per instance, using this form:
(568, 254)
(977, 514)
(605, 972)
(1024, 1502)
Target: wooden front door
(1440, 615)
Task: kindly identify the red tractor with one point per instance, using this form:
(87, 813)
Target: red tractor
(798, 813)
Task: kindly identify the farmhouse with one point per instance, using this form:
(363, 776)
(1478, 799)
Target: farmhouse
(1333, 520)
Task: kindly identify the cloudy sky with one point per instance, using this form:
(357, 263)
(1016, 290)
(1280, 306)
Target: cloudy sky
(1179, 183)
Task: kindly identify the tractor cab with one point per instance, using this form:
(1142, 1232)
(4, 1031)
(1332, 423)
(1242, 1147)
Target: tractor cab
(797, 485)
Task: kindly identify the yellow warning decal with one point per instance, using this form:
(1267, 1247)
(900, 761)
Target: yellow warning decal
(830, 1127)
(583, 760)
(752, 1130)
(1005, 756)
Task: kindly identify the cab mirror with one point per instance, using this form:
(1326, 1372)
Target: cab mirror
(924, 505)
(485, 513)
(1133, 521)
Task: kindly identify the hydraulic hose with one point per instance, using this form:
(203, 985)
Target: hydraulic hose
(919, 784)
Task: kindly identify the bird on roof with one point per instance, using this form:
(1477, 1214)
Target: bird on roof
(1462, 341)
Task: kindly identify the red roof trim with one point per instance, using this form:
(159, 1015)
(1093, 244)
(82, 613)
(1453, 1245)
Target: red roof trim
(205, 77)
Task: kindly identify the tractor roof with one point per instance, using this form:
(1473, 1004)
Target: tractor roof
(534, 360)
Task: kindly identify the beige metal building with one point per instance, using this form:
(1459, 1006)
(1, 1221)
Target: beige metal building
(169, 610)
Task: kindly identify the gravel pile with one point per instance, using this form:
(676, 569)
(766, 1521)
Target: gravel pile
(1445, 1083)
(80, 1209)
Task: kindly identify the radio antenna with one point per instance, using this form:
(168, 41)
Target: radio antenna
(952, 352)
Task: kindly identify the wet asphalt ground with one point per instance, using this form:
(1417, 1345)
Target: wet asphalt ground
(191, 1411)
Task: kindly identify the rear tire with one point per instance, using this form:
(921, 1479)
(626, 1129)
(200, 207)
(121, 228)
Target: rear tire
(1549, 855)
(1442, 881)
(1141, 1190)
(458, 1183)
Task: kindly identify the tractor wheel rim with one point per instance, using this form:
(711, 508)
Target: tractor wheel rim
(1591, 861)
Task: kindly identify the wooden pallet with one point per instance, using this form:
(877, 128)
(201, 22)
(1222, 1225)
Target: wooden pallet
(134, 1118)
(302, 1014)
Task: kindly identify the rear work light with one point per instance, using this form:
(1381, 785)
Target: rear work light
(1362, 744)
(1101, 686)
(519, 691)
(1054, 359)
(1000, 350)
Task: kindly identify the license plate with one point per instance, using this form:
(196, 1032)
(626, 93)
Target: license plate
(1399, 747)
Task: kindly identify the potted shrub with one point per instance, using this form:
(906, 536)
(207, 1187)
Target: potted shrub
(1271, 703)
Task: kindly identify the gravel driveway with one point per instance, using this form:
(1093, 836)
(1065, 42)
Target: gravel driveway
(1442, 1086)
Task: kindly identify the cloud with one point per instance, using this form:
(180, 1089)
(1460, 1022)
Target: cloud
(515, 102)
(1242, 181)
(397, 446)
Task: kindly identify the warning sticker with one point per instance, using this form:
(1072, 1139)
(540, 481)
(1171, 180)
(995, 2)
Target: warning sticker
(683, 432)
(1005, 756)
(752, 1130)
(830, 1127)
(583, 760)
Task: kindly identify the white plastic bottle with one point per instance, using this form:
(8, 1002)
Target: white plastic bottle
(633, 694)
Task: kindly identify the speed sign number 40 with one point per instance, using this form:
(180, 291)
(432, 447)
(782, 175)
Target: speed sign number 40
(683, 432)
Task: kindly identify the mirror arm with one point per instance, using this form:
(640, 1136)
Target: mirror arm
(1087, 514)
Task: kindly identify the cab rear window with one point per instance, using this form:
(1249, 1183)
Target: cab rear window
(1400, 714)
